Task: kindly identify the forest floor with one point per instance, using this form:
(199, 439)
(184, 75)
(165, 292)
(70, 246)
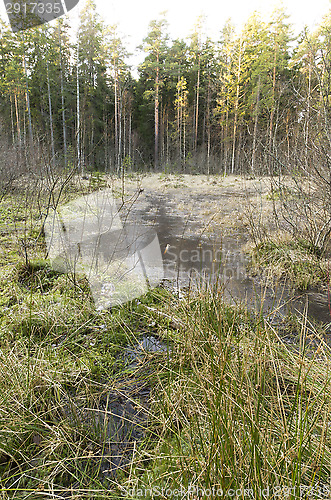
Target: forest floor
(161, 394)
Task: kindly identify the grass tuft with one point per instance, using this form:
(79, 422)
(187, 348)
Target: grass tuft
(294, 260)
(236, 409)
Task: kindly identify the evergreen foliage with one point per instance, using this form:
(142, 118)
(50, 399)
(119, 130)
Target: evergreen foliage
(247, 102)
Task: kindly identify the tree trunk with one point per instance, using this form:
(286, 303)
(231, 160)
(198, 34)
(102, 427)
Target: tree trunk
(197, 107)
(255, 126)
(236, 114)
(12, 120)
(50, 112)
(27, 97)
(272, 101)
(116, 112)
(79, 166)
(119, 156)
(64, 132)
(17, 121)
(130, 135)
(156, 115)
(208, 124)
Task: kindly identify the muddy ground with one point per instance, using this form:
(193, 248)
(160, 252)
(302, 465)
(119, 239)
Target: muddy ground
(208, 204)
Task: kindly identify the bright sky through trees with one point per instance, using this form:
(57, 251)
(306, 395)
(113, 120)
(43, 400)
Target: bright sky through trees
(134, 16)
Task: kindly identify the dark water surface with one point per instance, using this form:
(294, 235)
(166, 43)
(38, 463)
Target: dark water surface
(191, 260)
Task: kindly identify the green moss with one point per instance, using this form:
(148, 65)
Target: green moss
(37, 275)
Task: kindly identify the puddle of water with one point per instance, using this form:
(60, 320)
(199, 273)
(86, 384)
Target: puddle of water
(123, 413)
(119, 419)
(202, 261)
(148, 344)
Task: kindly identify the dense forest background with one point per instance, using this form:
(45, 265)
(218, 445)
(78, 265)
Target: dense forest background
(257, 101)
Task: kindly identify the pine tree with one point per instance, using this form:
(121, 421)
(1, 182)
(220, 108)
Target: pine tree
(92, 76)
(155, 45)
(116, 54)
